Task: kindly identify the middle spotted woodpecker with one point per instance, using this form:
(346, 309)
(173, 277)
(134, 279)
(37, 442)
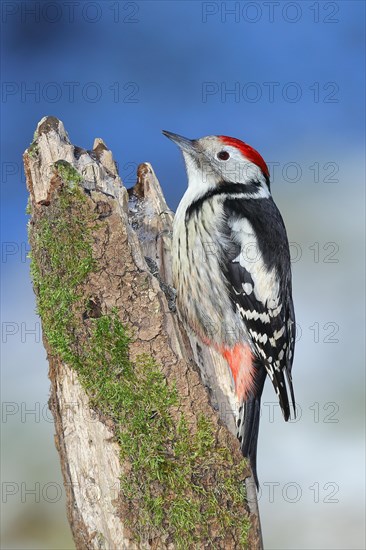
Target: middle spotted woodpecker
(232, 273)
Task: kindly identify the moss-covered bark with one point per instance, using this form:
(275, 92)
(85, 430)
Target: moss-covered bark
(181, 483)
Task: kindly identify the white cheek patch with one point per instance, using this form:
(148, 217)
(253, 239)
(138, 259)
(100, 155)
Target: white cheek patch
(236, 169)
(201, 176)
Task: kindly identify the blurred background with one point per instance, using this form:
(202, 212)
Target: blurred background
(288, 78)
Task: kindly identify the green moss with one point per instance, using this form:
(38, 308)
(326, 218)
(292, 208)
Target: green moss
(33, 149)
(169, 486)
(101, 541)
(68, 173)
(28, 208)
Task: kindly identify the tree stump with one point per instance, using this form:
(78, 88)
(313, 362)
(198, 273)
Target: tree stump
(144, 413)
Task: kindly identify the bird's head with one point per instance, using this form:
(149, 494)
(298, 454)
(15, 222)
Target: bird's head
(215, 160)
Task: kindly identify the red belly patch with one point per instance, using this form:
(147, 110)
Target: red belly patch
(240, 360)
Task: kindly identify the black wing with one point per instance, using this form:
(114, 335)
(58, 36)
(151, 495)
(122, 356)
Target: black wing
(257, 266)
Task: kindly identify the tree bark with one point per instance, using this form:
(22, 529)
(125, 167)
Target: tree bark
(131, 243)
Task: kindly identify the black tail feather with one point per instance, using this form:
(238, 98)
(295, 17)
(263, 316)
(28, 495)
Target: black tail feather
(248, 423)
(282, 382)
(289, 384)
(249, 412)
(251, 430)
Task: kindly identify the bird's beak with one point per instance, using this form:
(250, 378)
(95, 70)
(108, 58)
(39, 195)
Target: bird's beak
(187, 145)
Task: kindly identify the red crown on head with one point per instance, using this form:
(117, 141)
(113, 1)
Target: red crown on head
(247, 151)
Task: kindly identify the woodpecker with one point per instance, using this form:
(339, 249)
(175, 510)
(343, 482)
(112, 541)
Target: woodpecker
(232, 273)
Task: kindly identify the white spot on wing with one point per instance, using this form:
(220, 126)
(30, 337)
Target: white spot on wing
(266, 284)
(276, 335)
(248, 288)
(261, 338)
(248, 314)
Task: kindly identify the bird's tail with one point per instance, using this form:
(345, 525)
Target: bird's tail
(248, 423)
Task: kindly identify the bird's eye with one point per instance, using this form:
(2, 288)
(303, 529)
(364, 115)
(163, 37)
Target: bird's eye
(223, 155)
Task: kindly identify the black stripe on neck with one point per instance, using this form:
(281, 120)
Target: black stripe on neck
(222, 188)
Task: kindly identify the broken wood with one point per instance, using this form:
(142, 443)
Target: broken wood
(131, 245)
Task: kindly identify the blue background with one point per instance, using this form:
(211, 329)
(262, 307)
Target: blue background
(136, 68)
